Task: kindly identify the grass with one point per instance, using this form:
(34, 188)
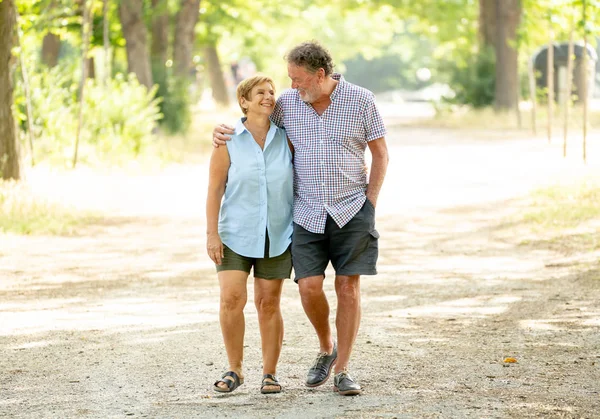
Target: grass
(565, 206)
(463, 117)
(567, 217)
(21, 212)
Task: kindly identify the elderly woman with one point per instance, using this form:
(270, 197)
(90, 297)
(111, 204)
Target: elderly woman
(251, 228)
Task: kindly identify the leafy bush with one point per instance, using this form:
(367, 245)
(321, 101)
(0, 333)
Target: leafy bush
(175, 106)
(473, 79)
(118, 119)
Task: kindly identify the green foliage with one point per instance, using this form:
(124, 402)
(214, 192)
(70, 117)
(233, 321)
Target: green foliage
(474, 81)
(21, 212)
(175, 105)
(117, 119)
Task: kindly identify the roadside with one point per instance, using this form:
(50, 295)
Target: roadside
(122, 320)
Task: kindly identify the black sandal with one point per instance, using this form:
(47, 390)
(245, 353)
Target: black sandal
(269, 380)
(231, 380)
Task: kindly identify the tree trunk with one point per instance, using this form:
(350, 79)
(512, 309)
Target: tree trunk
(508, 13)
(586, 92)
(9, 150)
(160, 32)
(91, 68)
(568, 89)
(86, 30)
(215, 75)
(134, 31)
(50, 49)
(105, 42)
(550, 81)
(487, 22)
(159, 50)
(183, 42)
(532, 95)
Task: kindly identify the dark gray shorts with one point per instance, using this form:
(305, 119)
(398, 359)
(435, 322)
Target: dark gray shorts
(352, 249)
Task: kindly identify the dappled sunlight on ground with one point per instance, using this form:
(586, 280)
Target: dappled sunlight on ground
(124, 315)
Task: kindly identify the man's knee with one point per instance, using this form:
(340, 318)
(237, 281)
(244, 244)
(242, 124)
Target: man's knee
(347, 287)
(310, 287)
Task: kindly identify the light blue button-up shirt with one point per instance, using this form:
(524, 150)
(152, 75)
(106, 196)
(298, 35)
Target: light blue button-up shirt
(259, 194)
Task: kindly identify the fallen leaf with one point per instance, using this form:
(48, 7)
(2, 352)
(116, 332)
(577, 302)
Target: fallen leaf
(510, 360)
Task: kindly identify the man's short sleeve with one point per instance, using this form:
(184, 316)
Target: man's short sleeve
(374, 127)
(277, 115)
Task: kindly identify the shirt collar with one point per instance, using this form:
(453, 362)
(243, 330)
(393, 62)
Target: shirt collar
(340, 86)
(240, 128)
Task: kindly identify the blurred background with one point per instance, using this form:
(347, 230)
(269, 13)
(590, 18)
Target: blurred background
(156, 71)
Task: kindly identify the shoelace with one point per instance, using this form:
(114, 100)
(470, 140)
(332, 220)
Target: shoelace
(320, 357)
(343, 374)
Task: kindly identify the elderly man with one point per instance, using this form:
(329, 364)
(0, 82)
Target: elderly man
(330, 122)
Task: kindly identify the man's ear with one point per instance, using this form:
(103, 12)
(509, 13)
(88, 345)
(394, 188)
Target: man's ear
(321, 75)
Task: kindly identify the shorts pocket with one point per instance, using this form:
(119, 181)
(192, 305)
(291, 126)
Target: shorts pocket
(374, 233)
(370, 204)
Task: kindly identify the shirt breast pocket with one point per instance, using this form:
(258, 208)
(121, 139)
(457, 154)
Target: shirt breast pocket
(352, 130)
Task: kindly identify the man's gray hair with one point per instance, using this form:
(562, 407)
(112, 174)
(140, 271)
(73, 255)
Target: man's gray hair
(312, 56)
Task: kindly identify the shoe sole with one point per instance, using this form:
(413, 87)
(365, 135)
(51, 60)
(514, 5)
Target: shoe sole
(347, 392)
(326, 378)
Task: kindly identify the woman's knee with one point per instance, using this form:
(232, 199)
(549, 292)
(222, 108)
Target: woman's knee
(233, 301)
(267, 304)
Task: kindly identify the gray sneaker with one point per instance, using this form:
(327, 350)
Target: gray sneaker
(321, 369)
(345, 385)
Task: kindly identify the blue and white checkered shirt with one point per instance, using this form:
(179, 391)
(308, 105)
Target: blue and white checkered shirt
(329, 159)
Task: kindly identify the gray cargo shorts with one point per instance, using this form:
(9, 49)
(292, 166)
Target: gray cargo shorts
(352, 249)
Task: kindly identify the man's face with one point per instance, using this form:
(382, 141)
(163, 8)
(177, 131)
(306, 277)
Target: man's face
(306, 83)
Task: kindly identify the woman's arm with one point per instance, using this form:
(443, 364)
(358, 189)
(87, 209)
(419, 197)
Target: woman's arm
(291, 146)
(217, 178)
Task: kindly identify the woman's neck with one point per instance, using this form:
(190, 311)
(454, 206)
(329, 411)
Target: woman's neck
(257, 122)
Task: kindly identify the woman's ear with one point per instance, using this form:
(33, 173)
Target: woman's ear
(243, 103)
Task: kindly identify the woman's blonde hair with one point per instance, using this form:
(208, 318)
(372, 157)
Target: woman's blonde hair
(245, 87)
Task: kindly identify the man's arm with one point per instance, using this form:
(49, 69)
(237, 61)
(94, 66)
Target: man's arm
(379, 165)
(221, 134)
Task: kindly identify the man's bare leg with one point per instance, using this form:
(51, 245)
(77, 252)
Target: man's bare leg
(348, 316)
(316, 308)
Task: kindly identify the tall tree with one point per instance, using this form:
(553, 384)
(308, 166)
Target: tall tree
(183, 42)
(50, 49)
(135, 33)
(508, 14)
(488, 31)
(9, 155)
(159, 51)
(215, 74)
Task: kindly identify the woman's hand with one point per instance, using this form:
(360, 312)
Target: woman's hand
(214, 247)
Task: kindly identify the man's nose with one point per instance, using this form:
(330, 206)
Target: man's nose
(294, 85)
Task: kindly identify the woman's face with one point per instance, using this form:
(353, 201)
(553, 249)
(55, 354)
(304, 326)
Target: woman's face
(262, 99)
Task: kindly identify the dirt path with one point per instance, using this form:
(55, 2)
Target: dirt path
(122, 321)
